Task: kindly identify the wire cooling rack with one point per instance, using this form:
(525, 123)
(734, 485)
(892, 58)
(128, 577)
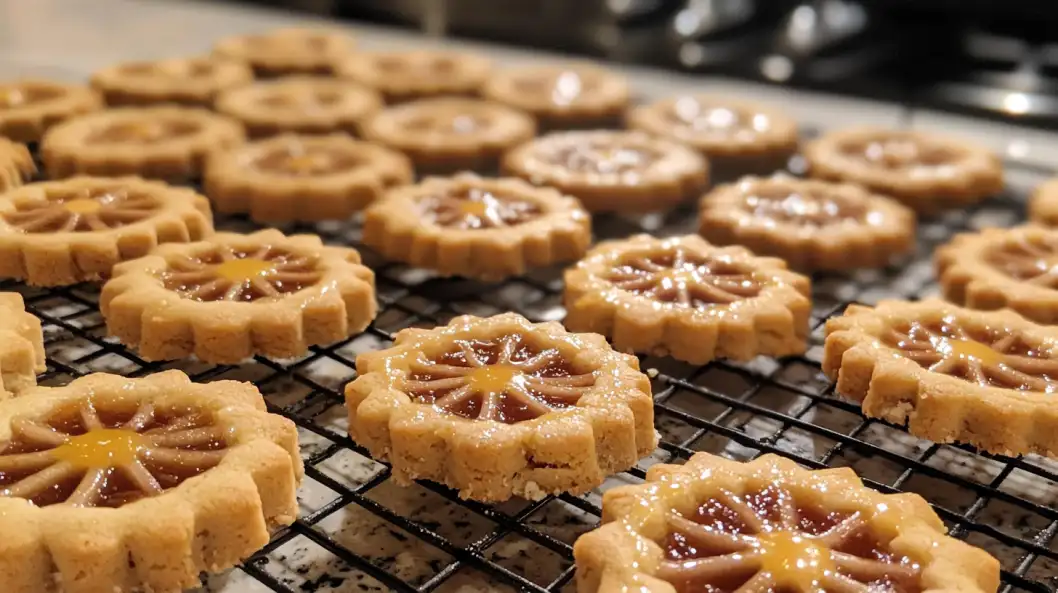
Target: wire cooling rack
(358, 531)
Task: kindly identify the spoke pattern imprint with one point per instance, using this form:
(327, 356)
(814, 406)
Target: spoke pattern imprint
(84, 211)
(679, 277)
(766, 542)
(505, 379)
(228, 274)
(1029, 259)
(805, 208)
(900, 153)
(98, 458)
(982, 356)
(600, 157)
(477, 209)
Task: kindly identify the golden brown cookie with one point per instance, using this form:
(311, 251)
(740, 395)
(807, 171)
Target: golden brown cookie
(57, 233)
(477, 228)
(813, 225)
(450, 134)
(300, 104)
(951, 374)
(768, 525)
(612, 171)
(562, 96)
(16, 164)
(187, 81)
(287, 51)
(29, 107)
(305, 178)
(116, 484)
(233, 296)
(996, 268)
(417, 74)
(737, 136)
(21, 346)
(164, 142)
(1043, 205)
(926, 171)
(688, 299)
(499, 407)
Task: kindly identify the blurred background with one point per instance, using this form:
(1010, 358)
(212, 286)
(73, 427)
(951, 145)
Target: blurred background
(991, 58)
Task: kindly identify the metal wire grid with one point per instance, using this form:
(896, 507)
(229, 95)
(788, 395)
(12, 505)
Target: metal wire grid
(425, 538)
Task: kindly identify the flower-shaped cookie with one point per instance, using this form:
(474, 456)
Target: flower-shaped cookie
(686, 298)
(1043, 205)
(116, 484)
(952, 374)
(611, 171)
(21, 346)
(450, 134)
(305, 178)
(417, 74)
(562, 96)
(813, 225)
(477, 228)
(501, 407)
(57, 233)
(187, 81)
(29, 107)
(16, 164)
(928, 172)
(996, 268)
(769, 525)
(287, 51)
(158, 142)
(300, 104)
(736, 136)
(233, 296)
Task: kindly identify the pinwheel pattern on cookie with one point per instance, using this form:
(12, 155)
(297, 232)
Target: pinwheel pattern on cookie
(813, 225)
(769, 525)
(951, 374)
(233, 296)
(499, 407)
(112, 483)
(303, 178)
(562, 96)
(28, 108)
(57, 233)
(477, 228)
(287, 51)
(186, 81)
(417, 74)
(686, 298)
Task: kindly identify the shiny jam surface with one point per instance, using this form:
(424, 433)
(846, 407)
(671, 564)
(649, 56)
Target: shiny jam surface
(146, 131)
(458, 123)
(990, 357)
(83, 210)
(683, 278)
(508, 379)
(477, 208)
(697, 118)
(808, 209)
(1029, 258)
(600, 156)
(559, 88)
(95, 455)
(898, 151)
(769, 541)
(226, 273)
(299, 160)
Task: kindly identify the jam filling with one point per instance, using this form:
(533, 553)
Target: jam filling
(83, 211)
(985, 356)
(224, 273)
(431, 67)
(700, 118)
(901, 152)
(810, 209)
(90, 455)
(455, 124)
(1032, 259)
(299, 160)
(560, 88)
(678, 277)
(27, 94)
(475, 208)
(144, 132)
(768, 541)
(601, 157)
(307, 99)
(507, 379)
